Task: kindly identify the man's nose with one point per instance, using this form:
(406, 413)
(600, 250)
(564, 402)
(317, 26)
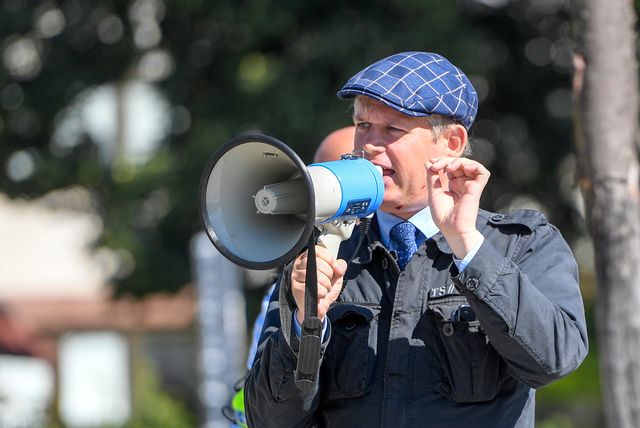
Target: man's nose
(372, 150)
(373, 144)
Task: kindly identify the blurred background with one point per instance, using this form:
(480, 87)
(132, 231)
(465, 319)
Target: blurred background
(114, 310)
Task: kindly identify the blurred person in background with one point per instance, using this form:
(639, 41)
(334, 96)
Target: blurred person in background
(450, 315)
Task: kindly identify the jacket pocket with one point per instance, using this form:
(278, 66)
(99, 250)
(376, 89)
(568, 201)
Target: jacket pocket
(469, 370)
(348, 360)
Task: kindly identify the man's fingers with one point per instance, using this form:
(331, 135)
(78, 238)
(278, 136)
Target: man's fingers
(323, 292)
(437, 164)
(435, 177)
(333, 294)
(329, 276)
(324, 261)
(476, 169)
(339, 269)
(325, 282)
(465, 167)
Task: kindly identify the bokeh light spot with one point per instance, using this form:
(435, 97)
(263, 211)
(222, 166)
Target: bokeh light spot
(110, 30)
(20, 165)
(21, 57)
(155, 65)
(49, 20)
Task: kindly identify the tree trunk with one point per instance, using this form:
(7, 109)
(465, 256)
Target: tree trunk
(606, 133)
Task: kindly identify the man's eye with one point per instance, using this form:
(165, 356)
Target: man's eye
(394, 129)
(363, 125)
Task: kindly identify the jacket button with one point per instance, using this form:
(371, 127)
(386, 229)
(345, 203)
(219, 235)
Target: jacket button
(448, 329)
(472, 284)
(498, 217)
(385, 264)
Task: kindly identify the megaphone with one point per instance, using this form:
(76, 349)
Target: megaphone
(260, 203)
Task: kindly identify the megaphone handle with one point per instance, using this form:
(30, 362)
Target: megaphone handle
(333, 234)
(310, 341)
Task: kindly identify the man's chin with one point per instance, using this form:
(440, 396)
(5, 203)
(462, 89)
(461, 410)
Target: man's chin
(388, 206)
(400, 208)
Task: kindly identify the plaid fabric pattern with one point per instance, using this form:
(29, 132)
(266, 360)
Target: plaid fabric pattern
(417, 84)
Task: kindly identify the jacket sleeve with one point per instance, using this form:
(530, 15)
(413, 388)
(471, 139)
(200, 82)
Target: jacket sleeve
(272, 398)
(529, 305)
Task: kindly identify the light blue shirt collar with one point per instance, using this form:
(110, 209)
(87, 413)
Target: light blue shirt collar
(421, 220)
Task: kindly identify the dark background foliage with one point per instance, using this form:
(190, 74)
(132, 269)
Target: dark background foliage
(272, 67)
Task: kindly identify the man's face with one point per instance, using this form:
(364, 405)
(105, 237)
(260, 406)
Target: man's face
(401, 145)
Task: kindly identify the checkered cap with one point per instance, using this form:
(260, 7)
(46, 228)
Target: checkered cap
(417, 84)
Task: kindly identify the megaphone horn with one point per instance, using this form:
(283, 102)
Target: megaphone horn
(260, 203)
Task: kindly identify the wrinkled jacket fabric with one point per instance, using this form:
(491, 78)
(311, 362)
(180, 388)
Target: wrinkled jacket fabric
(429, 346)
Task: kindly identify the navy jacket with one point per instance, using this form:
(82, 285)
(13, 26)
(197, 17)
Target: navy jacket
(432, 347)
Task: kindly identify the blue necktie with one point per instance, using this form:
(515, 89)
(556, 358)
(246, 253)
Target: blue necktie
(403, 239)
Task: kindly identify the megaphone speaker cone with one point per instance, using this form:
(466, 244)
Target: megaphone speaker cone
(247, 179)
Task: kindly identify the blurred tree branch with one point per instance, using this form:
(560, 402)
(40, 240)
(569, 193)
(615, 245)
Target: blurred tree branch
(605, 88)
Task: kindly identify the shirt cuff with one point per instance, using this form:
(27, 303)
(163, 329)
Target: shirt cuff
(462, 264)
(298, 328)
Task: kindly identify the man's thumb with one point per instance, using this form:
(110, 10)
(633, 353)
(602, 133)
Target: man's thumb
(339, 269)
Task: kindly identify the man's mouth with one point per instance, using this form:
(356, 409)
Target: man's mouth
(387, 172)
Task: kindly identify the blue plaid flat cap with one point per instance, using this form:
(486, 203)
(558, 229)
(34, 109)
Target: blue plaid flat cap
(417, 84)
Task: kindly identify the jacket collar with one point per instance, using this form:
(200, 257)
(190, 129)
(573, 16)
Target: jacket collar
(442, 243)
(372, 241)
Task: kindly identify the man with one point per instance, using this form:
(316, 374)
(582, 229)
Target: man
(450, 316)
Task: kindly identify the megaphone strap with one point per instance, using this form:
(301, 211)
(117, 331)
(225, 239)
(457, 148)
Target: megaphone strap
(311, 280)
(309, 352)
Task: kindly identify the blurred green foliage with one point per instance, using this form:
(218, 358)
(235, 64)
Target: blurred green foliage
(574, 401)
(228, 67)
(153, 407)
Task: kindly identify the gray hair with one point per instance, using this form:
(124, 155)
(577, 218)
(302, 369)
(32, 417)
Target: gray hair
(440, 123)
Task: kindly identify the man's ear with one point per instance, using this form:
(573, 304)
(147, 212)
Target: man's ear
(457, 139)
